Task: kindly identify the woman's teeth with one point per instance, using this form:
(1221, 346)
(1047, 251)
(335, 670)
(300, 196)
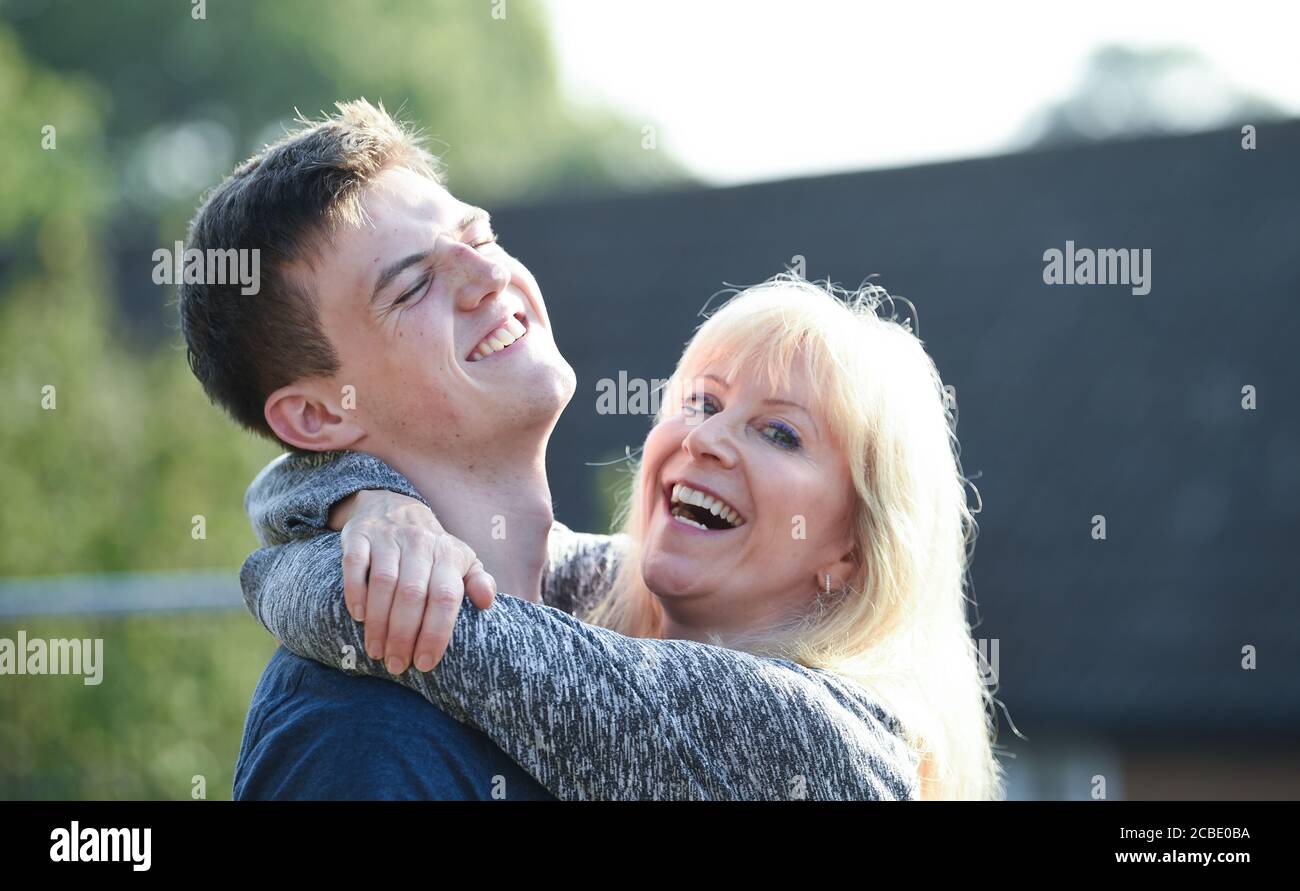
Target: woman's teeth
(685, 500)
(499, 339)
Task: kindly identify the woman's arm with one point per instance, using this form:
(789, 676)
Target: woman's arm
(299, 495)
(293, 495)
(595, 715)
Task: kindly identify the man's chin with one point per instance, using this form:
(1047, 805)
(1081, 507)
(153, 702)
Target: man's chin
(552, 382)
(540, 397)
(568, 383)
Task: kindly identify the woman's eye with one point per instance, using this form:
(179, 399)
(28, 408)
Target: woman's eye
(706, 404)
(783, 436)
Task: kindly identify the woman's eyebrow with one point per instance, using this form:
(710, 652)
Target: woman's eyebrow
(811, 418)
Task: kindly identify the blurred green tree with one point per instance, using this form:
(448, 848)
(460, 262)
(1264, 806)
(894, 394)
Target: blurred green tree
(118, 116)
(187, 98)
(113, 452)
(1125, 92)
(150, 107)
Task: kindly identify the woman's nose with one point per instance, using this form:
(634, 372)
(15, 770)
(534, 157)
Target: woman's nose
(711, 439)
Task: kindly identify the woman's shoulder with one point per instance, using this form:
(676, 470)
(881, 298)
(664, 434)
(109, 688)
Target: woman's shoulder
(866, 732)
(848, 692)
(580, 566)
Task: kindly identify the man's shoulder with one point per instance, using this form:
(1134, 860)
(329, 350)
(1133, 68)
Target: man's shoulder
(304, 691)
(315, 732)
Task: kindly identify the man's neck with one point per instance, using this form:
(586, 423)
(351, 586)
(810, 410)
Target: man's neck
(497, 503)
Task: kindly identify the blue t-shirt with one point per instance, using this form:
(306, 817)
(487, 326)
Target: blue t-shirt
(316, 733)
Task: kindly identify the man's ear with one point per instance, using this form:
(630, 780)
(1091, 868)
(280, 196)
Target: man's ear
(301, 416)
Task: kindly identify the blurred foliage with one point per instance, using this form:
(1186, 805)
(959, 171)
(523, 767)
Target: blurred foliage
(110, 476)
(1127, 93)
(149, 108)
(170, 707)
(187, 98)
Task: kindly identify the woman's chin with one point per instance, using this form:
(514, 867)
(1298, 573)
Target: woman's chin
(672, 575)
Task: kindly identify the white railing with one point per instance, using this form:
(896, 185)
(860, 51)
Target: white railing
(120, 593)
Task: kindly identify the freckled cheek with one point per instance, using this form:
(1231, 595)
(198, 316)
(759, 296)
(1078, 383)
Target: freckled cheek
(421, 339)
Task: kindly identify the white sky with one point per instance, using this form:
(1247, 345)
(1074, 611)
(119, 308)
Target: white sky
(743, 90)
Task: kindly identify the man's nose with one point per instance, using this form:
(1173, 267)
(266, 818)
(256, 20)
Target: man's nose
(474, 277)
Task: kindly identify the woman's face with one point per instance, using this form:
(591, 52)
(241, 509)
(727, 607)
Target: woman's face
(749, 502)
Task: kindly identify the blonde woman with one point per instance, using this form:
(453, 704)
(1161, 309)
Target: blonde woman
(782, 616)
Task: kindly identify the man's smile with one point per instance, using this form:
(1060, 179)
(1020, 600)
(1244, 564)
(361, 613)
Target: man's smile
(501, 336)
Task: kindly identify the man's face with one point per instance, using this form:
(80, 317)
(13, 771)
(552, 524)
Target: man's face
(443, 334)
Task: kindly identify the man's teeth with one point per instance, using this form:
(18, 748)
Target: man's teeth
(498, 339)
(683, 494)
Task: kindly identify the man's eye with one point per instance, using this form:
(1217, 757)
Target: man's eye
(415, 289)
(484, 242)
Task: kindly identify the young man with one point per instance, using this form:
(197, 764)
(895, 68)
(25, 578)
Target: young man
(390, 323)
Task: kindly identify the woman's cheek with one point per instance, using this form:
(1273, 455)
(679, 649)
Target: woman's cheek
(663, 437)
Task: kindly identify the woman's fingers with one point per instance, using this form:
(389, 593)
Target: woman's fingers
(385, 559)
(409, 598)
(356, 563)
(446, 594)
(480, 586)
(406, 578)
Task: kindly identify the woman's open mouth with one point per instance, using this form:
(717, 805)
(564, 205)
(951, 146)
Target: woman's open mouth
(702, 510)
(501, 338)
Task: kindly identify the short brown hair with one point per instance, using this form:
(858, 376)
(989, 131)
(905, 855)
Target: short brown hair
(285, 202)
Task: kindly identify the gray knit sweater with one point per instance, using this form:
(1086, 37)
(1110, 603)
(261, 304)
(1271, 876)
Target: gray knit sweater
(589, 713)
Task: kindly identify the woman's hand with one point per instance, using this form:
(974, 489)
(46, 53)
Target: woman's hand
(405, 577)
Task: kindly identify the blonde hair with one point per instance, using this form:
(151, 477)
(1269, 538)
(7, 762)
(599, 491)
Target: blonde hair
(898, 627)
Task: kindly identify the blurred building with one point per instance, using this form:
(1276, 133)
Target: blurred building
(1120, 658)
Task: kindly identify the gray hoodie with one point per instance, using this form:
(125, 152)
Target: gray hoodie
(591, 714)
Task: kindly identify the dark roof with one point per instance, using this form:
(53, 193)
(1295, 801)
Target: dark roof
(1073, 401)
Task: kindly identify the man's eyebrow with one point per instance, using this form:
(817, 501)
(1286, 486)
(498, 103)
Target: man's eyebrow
(475, 215)
(393, 270)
